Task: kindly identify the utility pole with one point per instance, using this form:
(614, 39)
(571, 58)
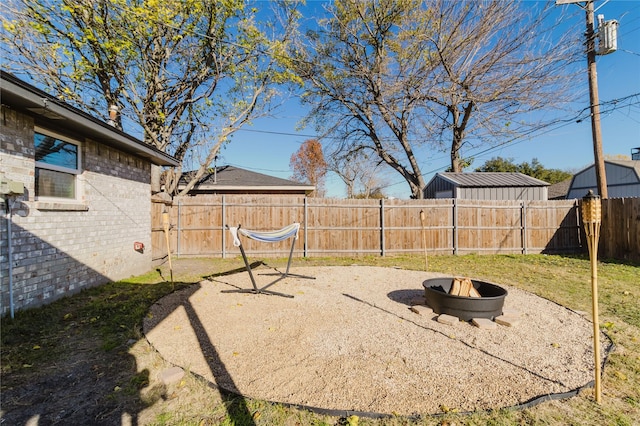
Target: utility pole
(609, 42)
(596, 132)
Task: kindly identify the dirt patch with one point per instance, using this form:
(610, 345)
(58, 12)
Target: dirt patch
(348, 341)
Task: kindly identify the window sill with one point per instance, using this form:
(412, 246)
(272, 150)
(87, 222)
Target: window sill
(57, 206)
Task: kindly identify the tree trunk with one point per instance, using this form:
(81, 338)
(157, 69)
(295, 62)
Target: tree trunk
(456, 164)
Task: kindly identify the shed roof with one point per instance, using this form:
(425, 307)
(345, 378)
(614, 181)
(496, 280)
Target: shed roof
(230, 178)
(491, 179)
(51, 111)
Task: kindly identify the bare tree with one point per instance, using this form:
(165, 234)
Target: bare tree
(186, 74)
(361, 176)
(401, 76)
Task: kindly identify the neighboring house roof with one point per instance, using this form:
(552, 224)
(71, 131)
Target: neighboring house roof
(491, 179)
(50, 111)
(559, 191)
(235, 179)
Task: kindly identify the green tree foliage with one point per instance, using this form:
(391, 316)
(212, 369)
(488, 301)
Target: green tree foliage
(535, 169)
(184, 74)
(399, 78)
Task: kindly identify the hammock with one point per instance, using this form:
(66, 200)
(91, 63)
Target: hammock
(265, 237)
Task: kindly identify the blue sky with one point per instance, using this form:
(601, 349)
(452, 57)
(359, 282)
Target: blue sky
(267, 146)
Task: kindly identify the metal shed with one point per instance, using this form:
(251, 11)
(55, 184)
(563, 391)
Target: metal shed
(486, 186)
(623, 180)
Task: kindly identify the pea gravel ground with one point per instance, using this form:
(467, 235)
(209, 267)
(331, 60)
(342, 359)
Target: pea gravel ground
(348, 341)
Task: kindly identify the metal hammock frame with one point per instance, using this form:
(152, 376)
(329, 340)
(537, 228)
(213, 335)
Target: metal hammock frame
(290, 231)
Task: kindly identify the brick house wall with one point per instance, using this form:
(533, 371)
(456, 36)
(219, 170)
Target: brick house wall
(61, 248)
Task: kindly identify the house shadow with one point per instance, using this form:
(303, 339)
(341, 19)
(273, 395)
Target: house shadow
(62, 362)
(69, 361)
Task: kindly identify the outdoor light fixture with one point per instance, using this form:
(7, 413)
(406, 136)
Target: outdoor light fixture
(591, 212)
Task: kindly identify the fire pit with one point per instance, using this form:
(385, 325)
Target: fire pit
(488, 305)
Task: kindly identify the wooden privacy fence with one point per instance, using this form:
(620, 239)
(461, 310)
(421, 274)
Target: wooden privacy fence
(620, 229)
(331, 227)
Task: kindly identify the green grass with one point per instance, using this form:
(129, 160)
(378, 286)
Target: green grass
(111, 315)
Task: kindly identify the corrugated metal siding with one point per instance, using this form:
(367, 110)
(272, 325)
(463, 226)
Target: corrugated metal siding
(437, 187)
(503, 193)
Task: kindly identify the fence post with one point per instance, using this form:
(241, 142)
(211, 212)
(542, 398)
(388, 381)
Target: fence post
(224, 234)
(178, 233)
(523, 226)
(455, 226)
(305, 217)
(382, 252)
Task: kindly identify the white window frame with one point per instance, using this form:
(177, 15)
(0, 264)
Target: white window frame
(76, 172)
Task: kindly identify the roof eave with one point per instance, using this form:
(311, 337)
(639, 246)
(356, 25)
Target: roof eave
(31, 97)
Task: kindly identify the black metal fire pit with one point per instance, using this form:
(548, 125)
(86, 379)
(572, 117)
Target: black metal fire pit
(489, 305)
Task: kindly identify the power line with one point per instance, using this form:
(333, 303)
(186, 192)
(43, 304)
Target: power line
(271, 132)
(527, 136)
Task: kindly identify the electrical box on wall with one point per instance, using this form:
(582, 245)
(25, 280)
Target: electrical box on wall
(10, 187)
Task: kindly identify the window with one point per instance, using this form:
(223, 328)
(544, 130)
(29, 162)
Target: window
(57, 165)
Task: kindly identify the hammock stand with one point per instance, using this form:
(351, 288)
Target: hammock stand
(290, 231)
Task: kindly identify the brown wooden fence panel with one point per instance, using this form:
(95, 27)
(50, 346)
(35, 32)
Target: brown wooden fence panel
(342, 227)
(552, 227)
(620, 229)
(488, 227)
(381, 227)
(403, 230)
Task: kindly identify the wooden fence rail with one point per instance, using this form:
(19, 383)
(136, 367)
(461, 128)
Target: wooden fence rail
(332, 227)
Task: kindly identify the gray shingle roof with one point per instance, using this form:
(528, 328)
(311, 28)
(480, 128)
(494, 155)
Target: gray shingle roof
(559, 191)
(230, 177)
(491, 179)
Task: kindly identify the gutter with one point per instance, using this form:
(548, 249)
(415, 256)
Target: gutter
(21, 96)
